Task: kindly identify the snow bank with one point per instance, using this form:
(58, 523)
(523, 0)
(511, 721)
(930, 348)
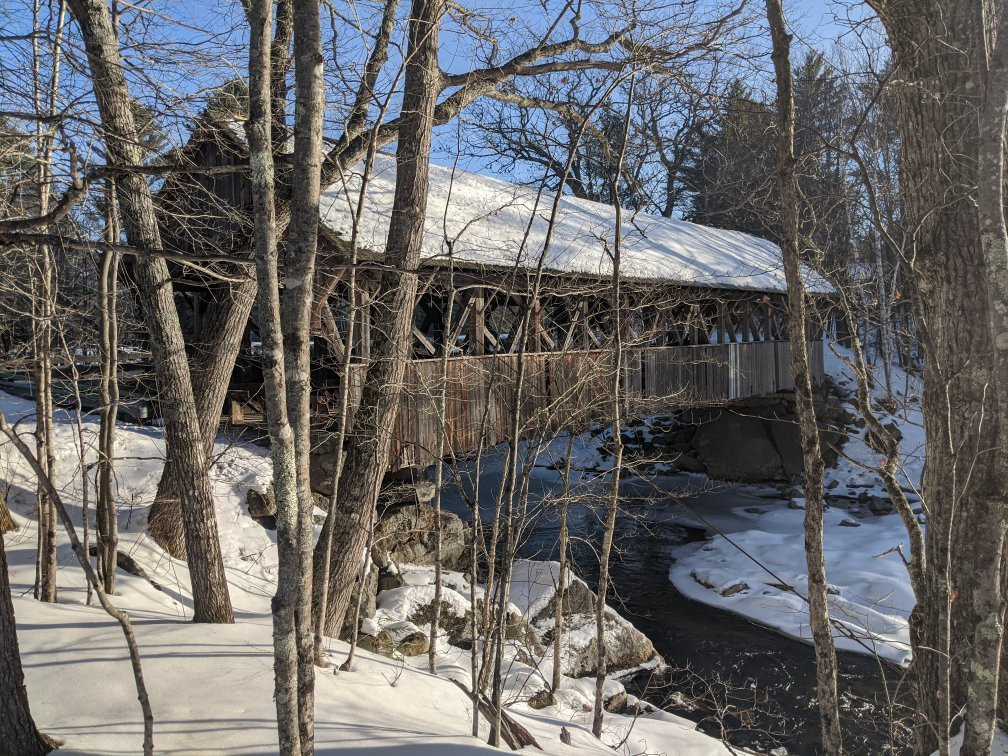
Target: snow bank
(757, 562)
(211, 686)
(484, 222)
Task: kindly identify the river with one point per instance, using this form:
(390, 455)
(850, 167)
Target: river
(736, 678)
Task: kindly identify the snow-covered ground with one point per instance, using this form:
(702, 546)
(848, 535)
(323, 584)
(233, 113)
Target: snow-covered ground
(211, 686)
(751, 566)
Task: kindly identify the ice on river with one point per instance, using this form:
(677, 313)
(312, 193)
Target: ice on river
(754, 564)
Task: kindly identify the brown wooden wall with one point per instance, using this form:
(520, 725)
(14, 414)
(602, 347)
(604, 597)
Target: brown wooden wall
(562, 390)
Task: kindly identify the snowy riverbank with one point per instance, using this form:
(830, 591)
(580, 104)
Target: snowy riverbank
(211, 686)
(755, 560)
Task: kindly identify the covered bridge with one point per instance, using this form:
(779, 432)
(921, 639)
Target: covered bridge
(704, 308)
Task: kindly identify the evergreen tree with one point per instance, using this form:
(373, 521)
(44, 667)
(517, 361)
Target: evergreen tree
(732, 178)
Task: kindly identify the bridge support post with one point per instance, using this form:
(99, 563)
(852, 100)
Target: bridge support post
(476, 323)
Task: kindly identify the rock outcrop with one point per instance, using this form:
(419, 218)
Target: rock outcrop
(751, 441)
(406, 535)
(529, 624)
(533, 591)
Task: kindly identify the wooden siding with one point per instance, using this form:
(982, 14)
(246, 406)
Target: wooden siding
(568, 389)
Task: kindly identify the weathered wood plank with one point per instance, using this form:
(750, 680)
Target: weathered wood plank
(560, 390)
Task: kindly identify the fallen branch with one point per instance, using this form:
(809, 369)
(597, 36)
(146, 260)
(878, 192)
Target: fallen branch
(514, 734)
(127, 563)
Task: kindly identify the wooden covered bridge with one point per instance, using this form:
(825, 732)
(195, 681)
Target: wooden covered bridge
(703, 310)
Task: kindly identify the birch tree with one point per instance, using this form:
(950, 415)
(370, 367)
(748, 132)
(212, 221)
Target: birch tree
(284, 321)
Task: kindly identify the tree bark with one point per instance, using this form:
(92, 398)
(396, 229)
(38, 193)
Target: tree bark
(42, 305)
(18, 732)
(105, 508)
(210, 364)
(295, 312)
(561, 588)
(822, 634)
(442, 409)
(368, 448)
(211, 602)
(936, 48)
(989, 605)
(616, 418)
(261, 174)
(6, 521)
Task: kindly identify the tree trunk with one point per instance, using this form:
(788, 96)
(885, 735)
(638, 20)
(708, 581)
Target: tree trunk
(18, 732)
(936, 48)
(367, 453)
(616, 417)
(211, 365)
(42, 345)
(442, 409)
(282, 445)
(6, 521)
(44, 303)
(105, 508)
(822, 634)
(992, 520)
(295, 312)
(558, 613)
(211, 602)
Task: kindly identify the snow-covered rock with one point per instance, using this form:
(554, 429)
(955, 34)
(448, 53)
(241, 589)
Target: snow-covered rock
(534, 592)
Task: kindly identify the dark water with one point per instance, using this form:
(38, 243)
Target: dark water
(738, 679)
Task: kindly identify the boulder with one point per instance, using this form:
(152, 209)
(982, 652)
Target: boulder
(616, 702)
(736, 447)
(626, 646)
(541, 699)
(406, 535)
(533, 591)
(689, 463)
(408, 639)
(458, 624)
(380, 643)
(261, 503)
(389, 579)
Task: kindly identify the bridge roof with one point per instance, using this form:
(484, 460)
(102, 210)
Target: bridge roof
(482, 221)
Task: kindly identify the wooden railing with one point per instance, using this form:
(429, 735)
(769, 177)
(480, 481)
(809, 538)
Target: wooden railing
(563, 390)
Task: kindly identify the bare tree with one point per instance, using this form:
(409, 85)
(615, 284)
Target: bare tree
(44, 298)
(615, 417)
(282, 451)
(108, 396)
(822, 633)
(992, 516)
(211, 602)
(938, 50)
(366, 460)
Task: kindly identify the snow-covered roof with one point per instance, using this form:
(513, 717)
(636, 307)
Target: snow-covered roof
(483, 221)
